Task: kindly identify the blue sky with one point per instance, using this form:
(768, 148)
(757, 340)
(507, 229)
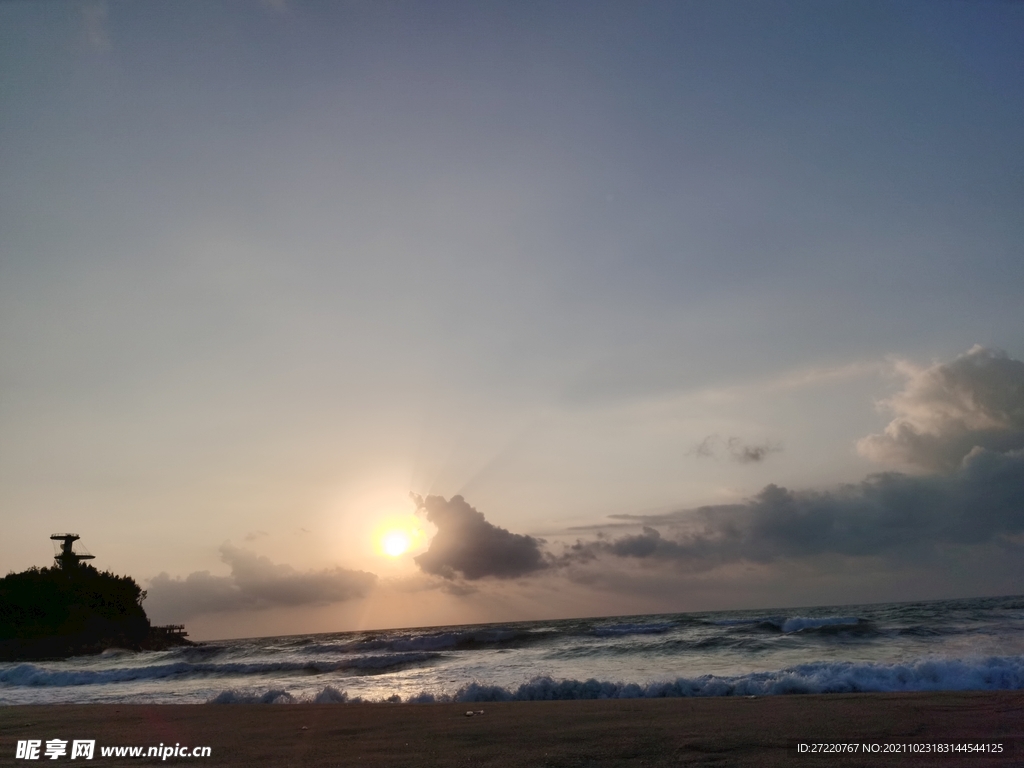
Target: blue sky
(267, 268)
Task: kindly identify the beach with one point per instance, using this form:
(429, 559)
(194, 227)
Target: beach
(715, 731)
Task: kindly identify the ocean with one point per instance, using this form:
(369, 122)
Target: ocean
(975, 644)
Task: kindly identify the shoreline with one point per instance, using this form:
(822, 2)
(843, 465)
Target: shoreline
(734, 731)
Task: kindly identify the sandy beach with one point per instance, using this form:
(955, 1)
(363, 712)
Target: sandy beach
(661, 732)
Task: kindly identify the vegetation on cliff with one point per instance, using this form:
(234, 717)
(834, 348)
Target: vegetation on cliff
(57, 612)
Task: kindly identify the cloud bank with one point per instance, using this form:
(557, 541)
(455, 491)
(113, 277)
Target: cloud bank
(889, 513)
(467, 545)
(255, 583)
(909, 517)
(945, 411)
(963, 420)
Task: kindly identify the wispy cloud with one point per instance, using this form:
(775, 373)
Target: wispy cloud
(94, 25)
(793, 380)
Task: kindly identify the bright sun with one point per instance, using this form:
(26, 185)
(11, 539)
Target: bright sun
(397, 535)
(395, 543)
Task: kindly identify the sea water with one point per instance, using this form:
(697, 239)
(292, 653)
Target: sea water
(975, 644)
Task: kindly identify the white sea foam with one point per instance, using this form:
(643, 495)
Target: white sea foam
(993, 673)
(329, 695)
(273, 696)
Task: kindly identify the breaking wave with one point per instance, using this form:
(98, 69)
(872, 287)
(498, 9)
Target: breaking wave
(31, 675)
(790, 624)
(989, 674)
(431, 642)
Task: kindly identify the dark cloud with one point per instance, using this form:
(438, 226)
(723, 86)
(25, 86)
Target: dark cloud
(706, 447)
(467, 545)
(255, 582)
(750, 454)
(891, 513)
(733, 447)
(945, 411)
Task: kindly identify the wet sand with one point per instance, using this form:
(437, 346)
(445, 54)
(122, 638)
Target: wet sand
(632, 732)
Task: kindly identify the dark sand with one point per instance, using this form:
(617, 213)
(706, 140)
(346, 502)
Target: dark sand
(659, 732)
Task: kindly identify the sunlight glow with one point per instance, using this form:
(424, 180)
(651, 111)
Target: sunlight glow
(395, 543)
(397, 535)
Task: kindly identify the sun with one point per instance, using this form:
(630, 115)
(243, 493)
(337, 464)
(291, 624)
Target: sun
(395, 543)
(398, 535)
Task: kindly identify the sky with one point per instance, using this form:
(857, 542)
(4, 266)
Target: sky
(578, 308)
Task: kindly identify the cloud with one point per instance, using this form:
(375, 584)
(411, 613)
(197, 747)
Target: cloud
(750, 454)
(961, 522)
(945, 411)
(982, 502)
(255, 583)
(94, 26)
(426, 583)
(735, 448)
(467, 545)
(706, 447)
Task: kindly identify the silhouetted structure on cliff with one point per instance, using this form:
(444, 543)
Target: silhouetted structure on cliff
(65, 557)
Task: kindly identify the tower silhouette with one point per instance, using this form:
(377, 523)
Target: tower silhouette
(66, 557)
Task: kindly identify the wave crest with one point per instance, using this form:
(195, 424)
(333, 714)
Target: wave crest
(993, 673)
(31, 675)
(435, 641)
(790, 624)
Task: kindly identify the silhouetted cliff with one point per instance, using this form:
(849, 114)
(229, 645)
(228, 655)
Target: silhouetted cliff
(59, 612)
